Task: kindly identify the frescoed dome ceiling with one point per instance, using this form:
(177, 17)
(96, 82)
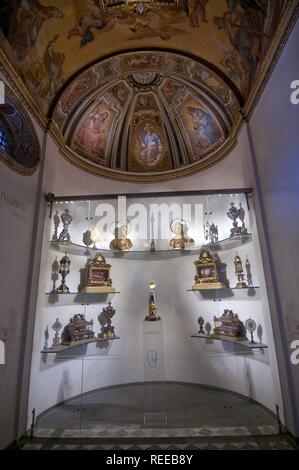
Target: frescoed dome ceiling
(146, 112)
(120, 75)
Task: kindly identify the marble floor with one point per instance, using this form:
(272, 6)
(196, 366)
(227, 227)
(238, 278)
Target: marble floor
(156, 410)
(282, 442)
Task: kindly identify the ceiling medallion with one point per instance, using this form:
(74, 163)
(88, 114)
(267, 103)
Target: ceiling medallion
(144, 78)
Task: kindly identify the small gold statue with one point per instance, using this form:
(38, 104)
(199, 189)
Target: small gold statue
(179, 228)
(241, 284)
(121, 242)
(98, 275)
(152, 306)
(207, 272)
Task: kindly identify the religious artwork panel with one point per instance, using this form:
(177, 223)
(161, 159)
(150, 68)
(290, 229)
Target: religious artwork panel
(149, 147)
(41, 38)
(92, 133)
(170, 89)
(203, 131)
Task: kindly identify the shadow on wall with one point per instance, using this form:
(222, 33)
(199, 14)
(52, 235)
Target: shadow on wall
(249, 379)
(65, 388)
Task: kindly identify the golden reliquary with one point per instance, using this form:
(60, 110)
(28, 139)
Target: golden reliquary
(77, 331)
(229, 326)
(207, 272)
(180, 240)
(98, 275)
(121, 242)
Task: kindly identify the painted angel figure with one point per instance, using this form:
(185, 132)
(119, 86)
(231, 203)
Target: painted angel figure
(21, 22)
(91, 16)
(196, 11)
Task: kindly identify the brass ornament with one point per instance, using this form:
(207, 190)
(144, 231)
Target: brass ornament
(241, 284)
(152, 306)
(64, 270)
(105, 320)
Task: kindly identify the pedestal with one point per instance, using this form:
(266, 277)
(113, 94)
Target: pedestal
(153, 360)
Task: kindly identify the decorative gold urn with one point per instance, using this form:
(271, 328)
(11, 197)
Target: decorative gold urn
(207, 272)
(98, 275)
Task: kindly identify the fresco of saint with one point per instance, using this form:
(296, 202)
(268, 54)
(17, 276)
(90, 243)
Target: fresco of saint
(151, 146)
(205, 131)
(92, 134)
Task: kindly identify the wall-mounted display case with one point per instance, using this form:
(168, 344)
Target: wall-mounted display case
(201, 250)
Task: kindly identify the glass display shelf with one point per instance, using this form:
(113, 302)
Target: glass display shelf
(252, 292)
(226, 244)
(80, 343)
(83, 298)
(246, 344)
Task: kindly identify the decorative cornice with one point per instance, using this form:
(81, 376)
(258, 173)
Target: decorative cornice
(20, 90)
(287, 22)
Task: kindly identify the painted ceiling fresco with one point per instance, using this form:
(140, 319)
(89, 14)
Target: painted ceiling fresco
(153, 112)
(49, 40)
(139, 87)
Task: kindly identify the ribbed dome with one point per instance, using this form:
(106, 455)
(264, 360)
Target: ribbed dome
(146, 112)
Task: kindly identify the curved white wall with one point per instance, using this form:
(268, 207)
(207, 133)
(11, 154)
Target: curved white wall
(57, 377)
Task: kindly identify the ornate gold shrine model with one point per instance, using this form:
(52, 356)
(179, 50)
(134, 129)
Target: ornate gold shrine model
(207, 272)
(98, 275)
(229, 326)
(78, 330)
(121, 242)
